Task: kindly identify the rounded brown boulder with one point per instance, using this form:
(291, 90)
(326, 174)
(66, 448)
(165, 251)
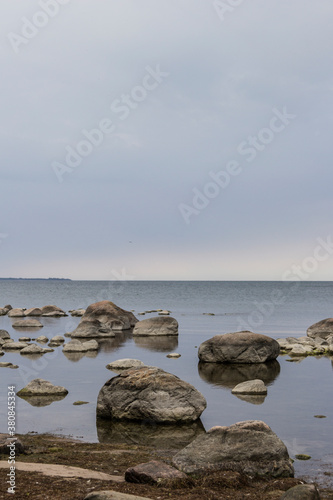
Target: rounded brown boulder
(239, 347)
(150, 394)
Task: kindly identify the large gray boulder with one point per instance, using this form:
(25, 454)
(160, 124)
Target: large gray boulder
(102, 319)
(239, 347)
(149, 393)
(250, 447)
(159, 325)
(322, 329)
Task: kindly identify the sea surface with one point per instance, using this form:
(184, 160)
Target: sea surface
(296, 391)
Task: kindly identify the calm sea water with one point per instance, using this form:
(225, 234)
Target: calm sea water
(296, 391)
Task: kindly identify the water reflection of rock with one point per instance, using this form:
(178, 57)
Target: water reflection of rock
(173, 437)
(253, 399)
(229, 375)
(40, 401)
(164, 343)
(114, 343)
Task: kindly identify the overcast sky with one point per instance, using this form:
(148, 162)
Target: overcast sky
(166, 139)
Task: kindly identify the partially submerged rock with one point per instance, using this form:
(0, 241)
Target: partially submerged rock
(14, 346)
(16, 313)
(33, 311)
(149, 393)
(156, 326)
(256, 387)
(77, 312)
(76, 346)
(250, 447)
(52, 311)
(33, 349)
(124, 364)
(239, 347)
(40, 387)
(102, 319)
(4, 334)
(27, 323)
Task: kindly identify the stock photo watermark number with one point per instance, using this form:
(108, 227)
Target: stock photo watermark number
(11, 419)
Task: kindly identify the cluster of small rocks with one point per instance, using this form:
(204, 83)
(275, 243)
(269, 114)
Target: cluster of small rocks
(306, 346)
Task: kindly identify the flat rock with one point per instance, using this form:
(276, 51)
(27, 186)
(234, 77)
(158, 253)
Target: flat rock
(40, 387)
(52, 311)
(250, 447)
(156, 326)
(16, 313)
(151, 394)
(27, 323)
(239, 347)
(33, 311)
(250, 387)
(323, 329)
(14, 346)
(124, 364)
(300, 350)
(74, 346)
(112, 495)
(63, 471)
(173, 355)
(102, 319)
(153, 472)
(4, 364)
(164, 313)
(24, 339)
(302, 492)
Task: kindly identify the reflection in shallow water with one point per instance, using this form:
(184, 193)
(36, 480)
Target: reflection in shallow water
(148, 433)
(42, 400)
(114, 343)
(253, 399)
(163, 343)
(74, 356)
(229, 375)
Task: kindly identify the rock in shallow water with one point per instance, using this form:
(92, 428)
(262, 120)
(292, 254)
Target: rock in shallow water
(124, 364)
(40, 387)
(250, 447)
(149, 393)
(250, 387)
(239, 347)
(102, 319)
(156, 326)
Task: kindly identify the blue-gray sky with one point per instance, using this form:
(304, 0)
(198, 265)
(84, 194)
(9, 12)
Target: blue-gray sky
(211, 150)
